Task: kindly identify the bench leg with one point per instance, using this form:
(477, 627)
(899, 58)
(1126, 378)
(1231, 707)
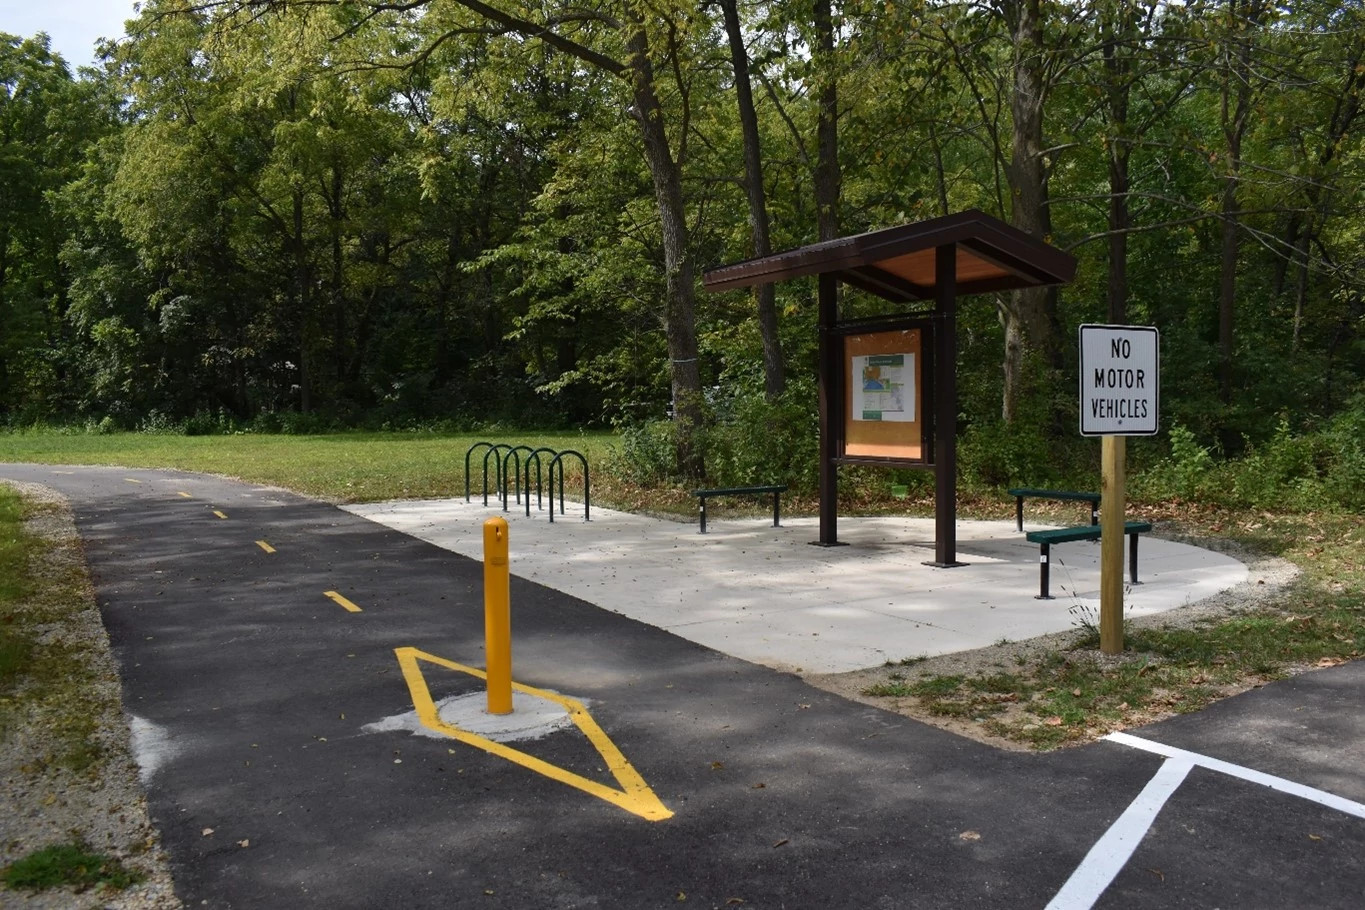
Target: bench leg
(1019, 513)
(777, 511)
(1094, 514)
(702, 510)
(1132, 559)
(1044, 557)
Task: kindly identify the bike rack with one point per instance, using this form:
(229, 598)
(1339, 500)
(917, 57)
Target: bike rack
(513, 454)
(508, 464)
(536, 455)
(497, 468)
(466, 470)
(559, 460)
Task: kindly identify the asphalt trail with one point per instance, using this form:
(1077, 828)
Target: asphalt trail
(252, 687)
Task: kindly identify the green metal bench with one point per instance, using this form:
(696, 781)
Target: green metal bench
(1029, 493)
(1045, 540)
(776, 489)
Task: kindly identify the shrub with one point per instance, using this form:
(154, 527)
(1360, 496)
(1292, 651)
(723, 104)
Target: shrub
(1184, 474)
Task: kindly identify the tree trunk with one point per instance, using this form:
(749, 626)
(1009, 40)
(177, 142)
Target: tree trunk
(1117, 68)
(1234, 112)
(679, 273)
(305, 318)
(828, 178)
(774, 371)
(1030, 313)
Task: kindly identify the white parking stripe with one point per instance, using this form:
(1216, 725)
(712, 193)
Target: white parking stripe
(1331, 800)
(1111, 852)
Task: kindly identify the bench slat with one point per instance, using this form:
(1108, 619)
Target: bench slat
(736, 490)
(1083, 532)
(1055, 494)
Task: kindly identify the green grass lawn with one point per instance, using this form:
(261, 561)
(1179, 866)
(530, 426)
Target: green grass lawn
(341, 467)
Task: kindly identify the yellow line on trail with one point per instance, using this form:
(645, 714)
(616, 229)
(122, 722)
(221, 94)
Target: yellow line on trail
(635, 796)
(184, 494)
(219, 514)
(265, 546)
(342, 601)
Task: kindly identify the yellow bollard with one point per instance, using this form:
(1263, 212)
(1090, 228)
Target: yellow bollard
(497, 616)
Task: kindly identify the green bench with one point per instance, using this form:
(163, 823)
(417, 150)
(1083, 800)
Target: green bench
(775, 489)
(1045, 540)
(1029, 493)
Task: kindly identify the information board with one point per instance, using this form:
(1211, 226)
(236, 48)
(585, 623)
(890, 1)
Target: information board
(1120, 380)
(883, 414)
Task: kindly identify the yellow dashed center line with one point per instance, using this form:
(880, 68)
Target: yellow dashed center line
(131, 480)
(219, 514)
(265, 546)
(184, 494)
(350, 607)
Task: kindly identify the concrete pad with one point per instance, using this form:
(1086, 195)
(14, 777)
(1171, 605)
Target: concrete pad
(766, 595)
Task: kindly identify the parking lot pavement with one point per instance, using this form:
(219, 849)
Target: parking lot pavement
(288, 764)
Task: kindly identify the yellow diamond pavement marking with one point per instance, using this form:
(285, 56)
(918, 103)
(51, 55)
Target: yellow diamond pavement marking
(635, 796)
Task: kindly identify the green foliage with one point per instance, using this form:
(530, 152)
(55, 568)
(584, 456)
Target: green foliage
(72, 865)
(755, 441)
(240, 225)
(647, 453)
(997, 454)
(1186, 473)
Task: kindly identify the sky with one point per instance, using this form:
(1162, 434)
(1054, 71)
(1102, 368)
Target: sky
(73, 25)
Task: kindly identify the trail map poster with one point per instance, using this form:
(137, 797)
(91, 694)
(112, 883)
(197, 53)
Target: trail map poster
(884, 387)
(883, 395)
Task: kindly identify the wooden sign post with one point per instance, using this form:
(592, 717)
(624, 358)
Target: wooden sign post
(1120, 385)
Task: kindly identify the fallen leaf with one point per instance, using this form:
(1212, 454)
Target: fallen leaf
(1330, 661)
(732, 901)
(1076, 692)
(1158, 873)
(682, 895)
(758, 786)
(969, 836)
(1053, 721)
(1315, 837)
(244, 843)
(207, 831)
(717, 765)
(782, 841)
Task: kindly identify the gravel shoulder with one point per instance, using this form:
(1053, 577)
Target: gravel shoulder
(43, 803)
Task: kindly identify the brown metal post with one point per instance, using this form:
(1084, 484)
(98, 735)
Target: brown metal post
(831, 409)
(945, 407)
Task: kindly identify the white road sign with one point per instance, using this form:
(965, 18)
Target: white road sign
(1120, 380)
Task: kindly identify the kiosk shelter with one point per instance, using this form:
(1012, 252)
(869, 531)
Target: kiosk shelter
(888, 384)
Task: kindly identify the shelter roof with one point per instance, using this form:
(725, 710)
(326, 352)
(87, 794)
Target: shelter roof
(899, 263)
